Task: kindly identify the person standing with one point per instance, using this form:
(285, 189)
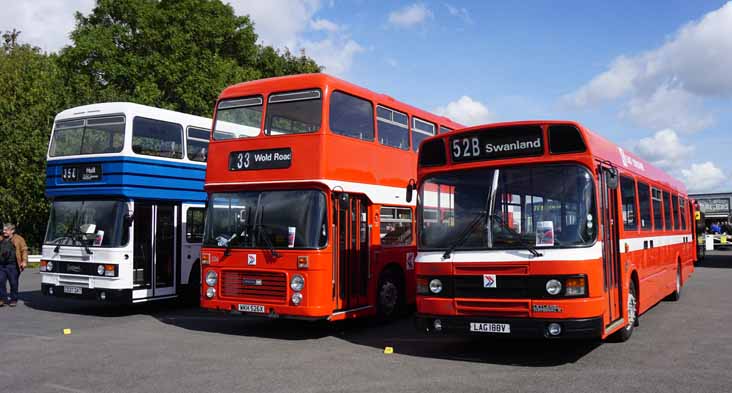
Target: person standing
(13, 260)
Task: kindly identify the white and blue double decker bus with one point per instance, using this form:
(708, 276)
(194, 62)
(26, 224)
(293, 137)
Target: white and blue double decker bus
(125, 182)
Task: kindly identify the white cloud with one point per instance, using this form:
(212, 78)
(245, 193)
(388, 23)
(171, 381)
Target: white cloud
(466, 111)
(669, 107)
(323, 24)
(278, 22)
(461, 13)
(285, 24)
(693, 63)
(410, 15)
(43, 23)
(704, 177)
(335, 54)
(664, 149)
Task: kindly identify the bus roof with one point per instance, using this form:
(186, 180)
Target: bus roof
(325, 81)
(130, 107)
(598, 147)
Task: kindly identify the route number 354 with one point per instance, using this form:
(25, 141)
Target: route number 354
(466, 147)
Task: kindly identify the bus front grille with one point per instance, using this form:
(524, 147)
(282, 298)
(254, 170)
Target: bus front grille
(268, 287)
(493, 308)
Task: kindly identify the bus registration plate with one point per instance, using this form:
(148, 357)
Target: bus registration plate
(72, 290)
(490, 327)
(251, 308)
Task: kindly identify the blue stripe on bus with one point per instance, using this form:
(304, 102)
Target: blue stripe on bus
(131, 177)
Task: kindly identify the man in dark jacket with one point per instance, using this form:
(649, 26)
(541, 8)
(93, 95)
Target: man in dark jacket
(13, 260)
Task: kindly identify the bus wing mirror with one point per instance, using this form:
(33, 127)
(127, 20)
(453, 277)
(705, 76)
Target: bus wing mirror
(611, 178)
(410, 190)
(343, 200)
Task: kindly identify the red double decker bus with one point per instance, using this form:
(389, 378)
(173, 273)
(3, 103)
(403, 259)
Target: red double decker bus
(306, 215)
(545, 229)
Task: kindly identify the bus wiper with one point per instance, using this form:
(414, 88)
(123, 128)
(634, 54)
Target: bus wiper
(517, 235)
(465, 234)
(267, 242)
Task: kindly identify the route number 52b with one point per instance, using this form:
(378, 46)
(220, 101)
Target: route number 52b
(465, 147)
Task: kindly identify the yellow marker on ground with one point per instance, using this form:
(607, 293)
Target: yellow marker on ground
(67, 331)
(388, 350)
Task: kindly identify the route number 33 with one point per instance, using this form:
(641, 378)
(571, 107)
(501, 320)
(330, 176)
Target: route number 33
(242, 160)
(465, 147)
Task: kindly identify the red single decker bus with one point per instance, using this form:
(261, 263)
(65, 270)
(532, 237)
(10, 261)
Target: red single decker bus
(306, 215)
(545, 229)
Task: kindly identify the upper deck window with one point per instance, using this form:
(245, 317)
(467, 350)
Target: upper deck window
(88, 136)
(238, 118)
(157, 138)
(393, 128)
(421, 130)
(294, 113)
(197, 144)
(444, 130)
(351, 116)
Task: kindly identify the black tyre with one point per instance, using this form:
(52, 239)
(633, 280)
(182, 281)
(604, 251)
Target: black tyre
(390, 296)
(624, 334)
(191, 294)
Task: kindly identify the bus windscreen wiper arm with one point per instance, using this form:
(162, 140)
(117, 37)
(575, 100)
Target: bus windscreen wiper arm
(267, 242)
(526, 245)
(465, 234)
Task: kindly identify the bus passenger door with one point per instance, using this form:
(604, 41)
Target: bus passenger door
(609, 180)
(351, 220)
(154, 252)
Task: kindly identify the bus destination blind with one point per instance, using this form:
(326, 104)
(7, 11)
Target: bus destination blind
(81, 173)
(495, 143)
(260, 159)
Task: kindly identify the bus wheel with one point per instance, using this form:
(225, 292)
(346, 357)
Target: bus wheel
(624, 334)
(677, 293)
(390, 295)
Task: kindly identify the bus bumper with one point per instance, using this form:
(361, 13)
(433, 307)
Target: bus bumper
(584, 328)
(121, 296)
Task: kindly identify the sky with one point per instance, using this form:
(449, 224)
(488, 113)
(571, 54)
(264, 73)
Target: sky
(653, 76)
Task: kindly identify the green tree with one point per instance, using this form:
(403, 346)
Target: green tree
(174, 54)
(32, 94)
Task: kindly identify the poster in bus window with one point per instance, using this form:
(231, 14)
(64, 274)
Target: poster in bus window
(545, 233)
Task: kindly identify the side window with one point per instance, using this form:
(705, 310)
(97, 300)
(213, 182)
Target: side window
(627, 190)
(657, 209)
(393, 128)
(197, 144)
(444, 130)
(682, 211)
(396, 226)
(421, 130)
(351, 116)
(157, 138)
(194, 225)
(677, 219)
(667, 210)
(644, 202)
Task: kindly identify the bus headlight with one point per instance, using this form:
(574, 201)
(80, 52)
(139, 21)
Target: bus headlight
(435, 285)
(210, 292)
(100, 270)
(296, 298)
(553, 287)
(297, 283)
(49, 266)
(211, 278)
